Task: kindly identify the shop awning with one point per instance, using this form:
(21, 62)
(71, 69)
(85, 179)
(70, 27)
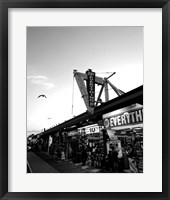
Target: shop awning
(128, 127)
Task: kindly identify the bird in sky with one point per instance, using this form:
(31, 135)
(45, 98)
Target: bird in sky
(42, 95)
(49, 118)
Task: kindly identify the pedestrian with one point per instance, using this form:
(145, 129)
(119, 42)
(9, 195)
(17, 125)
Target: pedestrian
(125, 159)
(51, 150)
(83, 155)
(58, 154)
(92, 159)
(115, 159)
(88, 162)
(110, 160)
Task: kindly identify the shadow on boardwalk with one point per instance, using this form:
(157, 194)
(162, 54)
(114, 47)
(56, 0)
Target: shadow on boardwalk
(67, 166)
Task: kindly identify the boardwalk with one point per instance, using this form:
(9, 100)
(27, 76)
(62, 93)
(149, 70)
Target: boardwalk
(61, 166)
(37, 165)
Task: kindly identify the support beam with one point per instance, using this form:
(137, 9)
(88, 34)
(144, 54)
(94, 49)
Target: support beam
(100, 93)
(118, 92)
(106, 90)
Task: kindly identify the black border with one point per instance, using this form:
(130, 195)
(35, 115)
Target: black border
(4, 5)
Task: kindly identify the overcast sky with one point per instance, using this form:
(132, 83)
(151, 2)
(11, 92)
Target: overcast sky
(54, 52)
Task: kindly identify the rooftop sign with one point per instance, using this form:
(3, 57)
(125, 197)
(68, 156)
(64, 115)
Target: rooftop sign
(91, 87)
(132, 116)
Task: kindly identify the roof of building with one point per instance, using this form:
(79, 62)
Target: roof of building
(131, 97)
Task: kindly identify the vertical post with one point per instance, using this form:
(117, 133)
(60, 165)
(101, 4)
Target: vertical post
(48, 139)
(106, 90)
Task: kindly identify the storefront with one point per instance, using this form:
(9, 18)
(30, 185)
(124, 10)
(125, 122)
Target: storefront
(121, 128)
(125, 130)
(74, 146)
(92, 139)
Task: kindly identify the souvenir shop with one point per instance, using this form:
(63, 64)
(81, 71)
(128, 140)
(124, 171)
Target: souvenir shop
(116, 124)
(92, 141)
(125, 130)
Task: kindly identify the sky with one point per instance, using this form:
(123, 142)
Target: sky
(54, 52)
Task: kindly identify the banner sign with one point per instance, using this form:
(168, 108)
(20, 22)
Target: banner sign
(90, 129)
(50, 140)
(91, 87)
(129, 117)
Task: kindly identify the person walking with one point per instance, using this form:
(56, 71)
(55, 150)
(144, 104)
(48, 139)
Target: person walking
(51, 150)
(83, 155)
(110, 161)
(115, 159)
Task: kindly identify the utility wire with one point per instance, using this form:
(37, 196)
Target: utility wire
(72, 97)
